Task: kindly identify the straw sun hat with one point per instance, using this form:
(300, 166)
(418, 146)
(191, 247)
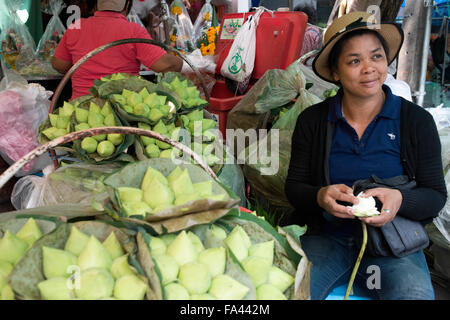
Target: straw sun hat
(391, 33)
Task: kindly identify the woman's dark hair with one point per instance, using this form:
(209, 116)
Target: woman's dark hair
(310, 12)
(335, 52)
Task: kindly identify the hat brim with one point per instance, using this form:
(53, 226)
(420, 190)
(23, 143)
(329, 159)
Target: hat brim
(391, 33)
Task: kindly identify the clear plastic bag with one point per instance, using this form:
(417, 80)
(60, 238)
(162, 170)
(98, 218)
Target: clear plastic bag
(23, 107)
(181, 33)
(72, 184)
(53, 32)
(133, 17)
(204, 21)
(18, 46)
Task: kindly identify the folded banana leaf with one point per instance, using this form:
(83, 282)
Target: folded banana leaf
(28, 272)
(102, 88)
(95, 158)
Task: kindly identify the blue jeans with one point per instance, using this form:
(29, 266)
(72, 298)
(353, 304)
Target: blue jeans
(384, 278)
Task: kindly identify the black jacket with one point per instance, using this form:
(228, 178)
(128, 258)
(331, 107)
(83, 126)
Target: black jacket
(421, 160)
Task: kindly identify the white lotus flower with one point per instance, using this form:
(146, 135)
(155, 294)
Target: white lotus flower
(366, 207)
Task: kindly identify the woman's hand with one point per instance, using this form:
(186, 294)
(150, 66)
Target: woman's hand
(327, 197)
(391, 200)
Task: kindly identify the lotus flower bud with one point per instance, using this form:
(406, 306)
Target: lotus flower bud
(280, 279)
(12, 248)
(238, 242)
(214, 259)
(185, 198)
(106, 109)
(195, 277)
(196, 241)
(110, 120)
(263, 250)
(53, 119)
(30, 232)
(257, 268)
(217, 231)
(130, 287)
(105, 148)
(5, 269)
(149, 175)
(7, 293)
(141, 109)
(168, 238)
(127, 194)
(152, 151)
(175, 291)
(56, 262)
(81, 115)
(203, 188)
(144, 93)
(121, 267)
(94, 255)
(157, 194)
(223, 287)
(56, 289)
(95, 283)
(89, 144)
(182, 249)
(94, 108)
(134, 98)
(157, 246)
(95, 119)
(76, 242)
(182, 184)
(136, 208)
(115, 138)
(168, 268)
(83, 126)
(113, 246)
(155, 114)
(269, 292)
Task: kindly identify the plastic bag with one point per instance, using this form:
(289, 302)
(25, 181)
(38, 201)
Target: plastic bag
(76, 183)
(18, 46)
(23, 107)
(133, 17)
(181, 33)
(239, 63)
(204, 20)
(53, 33)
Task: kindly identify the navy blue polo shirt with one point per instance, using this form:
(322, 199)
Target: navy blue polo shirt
(378, 151)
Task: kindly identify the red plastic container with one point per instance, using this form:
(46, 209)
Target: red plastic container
(279, 40)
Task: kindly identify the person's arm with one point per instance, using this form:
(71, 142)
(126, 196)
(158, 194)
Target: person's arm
(60, 65)
(168, 62)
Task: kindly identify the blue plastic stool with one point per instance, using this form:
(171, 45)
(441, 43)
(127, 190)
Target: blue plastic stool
(338, 293)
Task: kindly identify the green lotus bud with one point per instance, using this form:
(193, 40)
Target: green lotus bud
(94, 108)
(30, 232)
(160, 128)
(105, 149)
(182, 249)
(120, 99)
(110, 120)
(94, 255)
(280, 279)
(53, 118)
(204, 296)
(7, 293)
(175, 291)
(126, 93)
(76, 242)
(82, 126)
(62, 122)
(152, 151)
(141, 109)
(115, 138)
(128, 108)
(89, 144)
(196, 115)
(81, 115)
(127, 194)
(67, 109)
(196, 241)
(195, 277)
(162, 207)
(208, 124)
(217, 232)
(185, 120)
(95, 283)
(56, 262)
(168, 268)
(144, 93)
(223, 287)
(150, 174)
(168, 238)
(166, 153)
(148, 141)
(5, 269)
(53, 133)
(238, 242)
(263, 250)
(214, 259)
(56, 289)
(106, 109)
(134, 99)
(12, 248)
(100, 137)
(269, 292)
(143, 125)
(203, 188)
(136, 208)
(185, 198)
(257, 268)
(156, 194)
(174, 174)
(95, 120)
(155, 114)
(130, 287)
(157, 246)
(113, 246)
(161, 99)
(182, 184)
(120, 267)
(165, 109)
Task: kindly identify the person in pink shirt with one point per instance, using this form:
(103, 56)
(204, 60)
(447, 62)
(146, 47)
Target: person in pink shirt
(108, 24)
